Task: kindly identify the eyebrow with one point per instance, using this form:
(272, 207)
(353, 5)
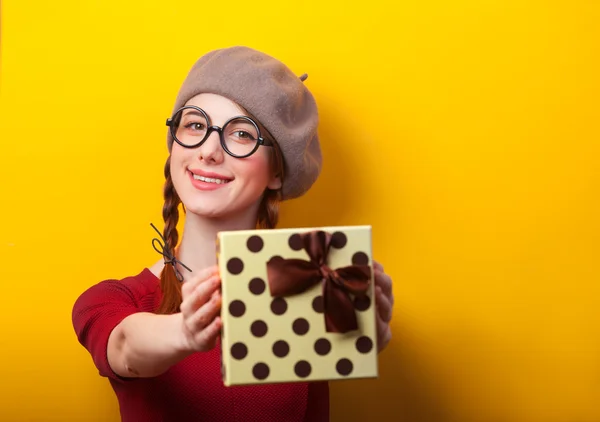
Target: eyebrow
(193, 112)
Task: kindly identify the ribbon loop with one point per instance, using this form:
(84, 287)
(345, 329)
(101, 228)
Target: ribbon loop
(316, 245)
(294, 276)
(168, 256)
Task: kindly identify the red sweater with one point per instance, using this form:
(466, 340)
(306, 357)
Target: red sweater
(191, 390)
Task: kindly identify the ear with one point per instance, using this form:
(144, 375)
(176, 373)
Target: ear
(275, 183)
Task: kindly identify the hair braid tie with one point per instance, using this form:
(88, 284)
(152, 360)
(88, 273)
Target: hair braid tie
(168, 255)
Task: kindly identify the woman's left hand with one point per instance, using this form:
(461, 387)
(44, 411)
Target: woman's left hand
(384, 302)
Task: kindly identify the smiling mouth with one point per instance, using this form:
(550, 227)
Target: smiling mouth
(210, 179)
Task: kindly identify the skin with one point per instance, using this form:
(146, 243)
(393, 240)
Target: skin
(133, 349)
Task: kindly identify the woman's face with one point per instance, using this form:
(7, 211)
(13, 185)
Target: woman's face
(210, 182)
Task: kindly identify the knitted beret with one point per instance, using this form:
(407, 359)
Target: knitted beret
(271, 92)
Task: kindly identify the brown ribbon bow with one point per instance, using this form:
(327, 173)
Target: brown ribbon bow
(294, 276)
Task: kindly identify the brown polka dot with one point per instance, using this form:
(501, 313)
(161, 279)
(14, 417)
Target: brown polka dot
(258, 328)
(317, 304)
(300, 326)
(257, 286)
(360, 258)
(279, 306)
(338, 240)
(281, 348)
(235, 266)
(239, 350)
(344, 366)
(362, 303)
(295, 242)
(302, 369)
(260, 371)
(364, 344)
(255, 244)
(322, 346)
(237, 308)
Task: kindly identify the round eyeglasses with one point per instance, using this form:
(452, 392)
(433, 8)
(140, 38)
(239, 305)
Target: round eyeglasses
(240, 136)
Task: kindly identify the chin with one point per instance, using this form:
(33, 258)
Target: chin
(208, 211)
(222, 211)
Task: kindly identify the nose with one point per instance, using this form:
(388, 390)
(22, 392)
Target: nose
(211, 150)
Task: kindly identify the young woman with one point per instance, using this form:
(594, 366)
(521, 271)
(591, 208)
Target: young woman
(242, 138)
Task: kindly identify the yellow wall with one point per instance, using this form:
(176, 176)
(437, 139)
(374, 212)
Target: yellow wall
(466, 132)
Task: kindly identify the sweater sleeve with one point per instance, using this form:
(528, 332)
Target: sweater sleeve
(97, 312)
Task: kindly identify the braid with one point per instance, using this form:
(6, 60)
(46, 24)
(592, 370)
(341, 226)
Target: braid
(268, 211)
(170, 210)
(170, 285)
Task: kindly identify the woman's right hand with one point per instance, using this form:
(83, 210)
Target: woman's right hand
(200, 310)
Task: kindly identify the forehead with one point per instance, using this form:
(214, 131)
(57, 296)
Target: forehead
(218, 108)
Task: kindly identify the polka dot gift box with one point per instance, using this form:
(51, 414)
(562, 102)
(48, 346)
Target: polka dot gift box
(298, 305)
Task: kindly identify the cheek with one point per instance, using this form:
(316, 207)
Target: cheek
(175, 157)
(177, 166)
(180, 159)
(256, 168)
(178, 153)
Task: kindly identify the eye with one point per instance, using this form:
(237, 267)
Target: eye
(242, 134)
(240, 131)
(195, 126)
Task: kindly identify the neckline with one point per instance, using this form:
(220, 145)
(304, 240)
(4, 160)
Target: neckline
(148, 273)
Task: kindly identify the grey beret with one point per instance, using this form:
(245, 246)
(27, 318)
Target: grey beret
(278, 98)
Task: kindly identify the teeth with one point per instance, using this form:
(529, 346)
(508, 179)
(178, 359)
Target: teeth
(209, 179)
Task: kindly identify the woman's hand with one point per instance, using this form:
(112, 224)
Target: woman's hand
(384, 302)
(200, 309)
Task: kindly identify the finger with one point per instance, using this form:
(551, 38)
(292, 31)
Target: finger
(203, 317)
(377, 266)
(188, 286)
(208, 337)
(200, 295)
(384, 334)
(384, 305)
(384, 281)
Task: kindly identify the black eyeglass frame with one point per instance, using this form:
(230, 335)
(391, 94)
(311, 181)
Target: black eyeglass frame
(260, 141)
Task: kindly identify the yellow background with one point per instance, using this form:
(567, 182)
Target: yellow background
(466, 132)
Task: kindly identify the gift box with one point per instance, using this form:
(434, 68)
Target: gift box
(298, 305)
